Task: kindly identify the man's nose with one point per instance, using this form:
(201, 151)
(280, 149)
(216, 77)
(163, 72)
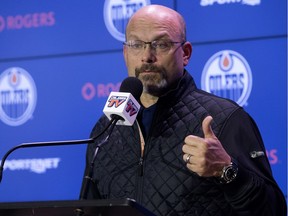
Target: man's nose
(149, 54)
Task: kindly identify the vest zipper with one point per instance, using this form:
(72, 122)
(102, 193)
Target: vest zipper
(141, 166)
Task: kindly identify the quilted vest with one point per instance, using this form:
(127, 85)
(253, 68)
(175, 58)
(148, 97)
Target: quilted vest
(159, 180)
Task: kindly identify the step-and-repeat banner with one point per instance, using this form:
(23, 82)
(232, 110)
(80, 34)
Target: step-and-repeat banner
(59, 60)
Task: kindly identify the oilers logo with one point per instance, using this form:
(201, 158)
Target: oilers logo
(227, 74)
(17, 96)
(118, 12)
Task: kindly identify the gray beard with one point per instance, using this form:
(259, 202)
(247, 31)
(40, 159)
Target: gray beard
(154, 83)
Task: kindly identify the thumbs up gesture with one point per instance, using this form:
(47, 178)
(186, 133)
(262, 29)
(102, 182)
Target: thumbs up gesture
(205, 156)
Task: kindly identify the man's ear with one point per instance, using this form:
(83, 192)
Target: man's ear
(187, 52)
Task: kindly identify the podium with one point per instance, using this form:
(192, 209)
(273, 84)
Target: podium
(108, 207)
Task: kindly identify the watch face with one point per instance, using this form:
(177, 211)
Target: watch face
(230, 173)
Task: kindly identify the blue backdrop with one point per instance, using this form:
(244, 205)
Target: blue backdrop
(59, 60)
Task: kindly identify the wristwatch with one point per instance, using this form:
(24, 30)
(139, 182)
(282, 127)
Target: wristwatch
(229, 173)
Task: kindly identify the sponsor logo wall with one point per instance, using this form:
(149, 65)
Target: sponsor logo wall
(58, 67)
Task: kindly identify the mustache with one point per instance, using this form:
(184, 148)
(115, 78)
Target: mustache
(146, 67)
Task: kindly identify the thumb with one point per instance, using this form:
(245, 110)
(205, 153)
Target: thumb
(206, 127)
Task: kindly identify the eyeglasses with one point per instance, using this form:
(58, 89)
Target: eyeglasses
(159, 46)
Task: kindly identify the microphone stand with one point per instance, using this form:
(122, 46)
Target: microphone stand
(52, 143)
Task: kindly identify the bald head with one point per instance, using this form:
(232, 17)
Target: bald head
(162, 63)
(161, 15)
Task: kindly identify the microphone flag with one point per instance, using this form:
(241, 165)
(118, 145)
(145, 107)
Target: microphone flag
(122, 104)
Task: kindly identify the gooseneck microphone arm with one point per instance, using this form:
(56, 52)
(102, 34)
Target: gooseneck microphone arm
(52, 143)
(88, 178)
(40, 144)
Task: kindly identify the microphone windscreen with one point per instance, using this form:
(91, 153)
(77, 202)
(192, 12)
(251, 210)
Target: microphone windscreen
(132, 85)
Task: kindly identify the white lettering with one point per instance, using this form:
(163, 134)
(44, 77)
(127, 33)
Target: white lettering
(252, 2)
(221, 2)
(35, 165)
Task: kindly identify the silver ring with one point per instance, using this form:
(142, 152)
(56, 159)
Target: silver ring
(188, 158)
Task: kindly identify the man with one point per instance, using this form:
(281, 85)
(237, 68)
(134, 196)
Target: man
(189, 153)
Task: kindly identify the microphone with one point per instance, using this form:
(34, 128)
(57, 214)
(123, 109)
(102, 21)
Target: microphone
(124, 104)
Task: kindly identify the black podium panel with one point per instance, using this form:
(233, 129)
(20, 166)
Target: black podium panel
(115, 207)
